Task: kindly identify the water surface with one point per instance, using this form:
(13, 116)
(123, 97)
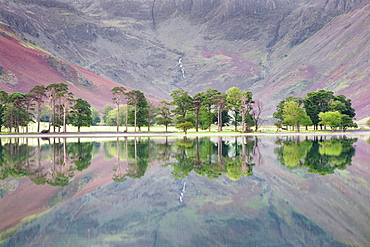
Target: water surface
(199, 191)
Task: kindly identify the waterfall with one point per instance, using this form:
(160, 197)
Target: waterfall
(182, 68)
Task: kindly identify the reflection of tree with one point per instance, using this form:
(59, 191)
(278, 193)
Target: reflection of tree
(207, 166)
(118, 175)
(318, 155)
(80, 153)
(184, 163)
(38, 177)
(135, 154)
(292, 152)
(52, 164)
(138, 153)
(163, 151)
(58, 172)
(14, 160)
(211, 159)
(240, 164)
(326, 156)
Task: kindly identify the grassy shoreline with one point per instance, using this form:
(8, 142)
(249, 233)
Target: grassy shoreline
(178, 133)
(111, 131)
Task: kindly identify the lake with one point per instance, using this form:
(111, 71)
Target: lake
(185, 191)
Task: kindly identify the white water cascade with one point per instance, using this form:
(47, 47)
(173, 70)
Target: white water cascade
(182, 68)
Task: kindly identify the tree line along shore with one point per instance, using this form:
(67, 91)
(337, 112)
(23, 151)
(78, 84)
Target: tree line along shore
(55, 105)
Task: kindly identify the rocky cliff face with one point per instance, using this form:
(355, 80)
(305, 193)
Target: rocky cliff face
(160, 45)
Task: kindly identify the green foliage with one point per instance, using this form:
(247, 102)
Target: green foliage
(278, 124)
(295, 115)
(205, 118)
(197, 106)
(37, 94)
(138, 114)
(317, 102)
(333, 119)
(279, 108)
(14, 113)
(240, 103)
(3, 99)
(336, 120)
(347, 122)
(80, 114)
(118, 93)
(111, 117)
(185, 126)
(95, 114)
(59, 99)
(106, 110)
(164, 115)
(183, 103)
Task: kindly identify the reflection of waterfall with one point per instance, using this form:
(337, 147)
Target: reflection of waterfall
(182, 194)
(182, 68)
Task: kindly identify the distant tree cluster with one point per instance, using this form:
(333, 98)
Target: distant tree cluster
(19, 109)
(55, 104)
(321, 108)
(184, 111)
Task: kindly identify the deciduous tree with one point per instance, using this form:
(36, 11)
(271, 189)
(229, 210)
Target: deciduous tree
(133, 99)
(317, 102)
(118, 93)
(164, 114)
(183, 102)
(38, 94)
(295, 115)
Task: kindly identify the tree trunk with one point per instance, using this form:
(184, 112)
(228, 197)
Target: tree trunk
(135, 118)
(117, 120)
(196, 120)
(148, 120)
(38, 118)
(65, 120)
(126, 117)
(243, 121)
(219, 119)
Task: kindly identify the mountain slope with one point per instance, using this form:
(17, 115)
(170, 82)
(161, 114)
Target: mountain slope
(335, 58)
(274, 48)
(25, 65)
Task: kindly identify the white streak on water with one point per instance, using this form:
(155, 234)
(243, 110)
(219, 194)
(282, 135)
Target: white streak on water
(182, 194)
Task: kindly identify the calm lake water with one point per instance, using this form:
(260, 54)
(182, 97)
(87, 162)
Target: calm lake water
(195, 191)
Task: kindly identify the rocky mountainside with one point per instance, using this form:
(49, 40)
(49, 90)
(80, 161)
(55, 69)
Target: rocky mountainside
(274, 48)
(25, 65)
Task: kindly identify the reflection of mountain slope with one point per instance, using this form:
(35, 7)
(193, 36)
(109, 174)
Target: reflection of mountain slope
(337, 203)
(40, 198)
(275, 206)
(147, 212)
